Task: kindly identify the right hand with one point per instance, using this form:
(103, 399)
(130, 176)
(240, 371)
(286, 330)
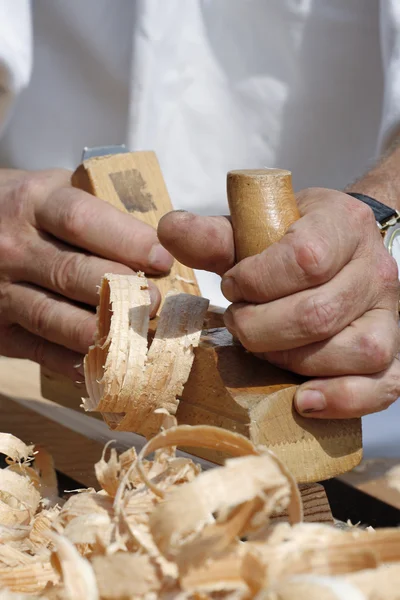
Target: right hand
(56, 243)
(321, 302)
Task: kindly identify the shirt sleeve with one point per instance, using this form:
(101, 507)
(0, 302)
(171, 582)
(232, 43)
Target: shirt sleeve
(390, 49)
(15, 52)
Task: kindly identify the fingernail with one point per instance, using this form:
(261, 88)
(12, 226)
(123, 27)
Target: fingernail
(229, 289)
(309, 401)
(159, 258)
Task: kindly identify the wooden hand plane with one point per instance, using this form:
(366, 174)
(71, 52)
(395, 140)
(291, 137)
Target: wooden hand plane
(228, 387)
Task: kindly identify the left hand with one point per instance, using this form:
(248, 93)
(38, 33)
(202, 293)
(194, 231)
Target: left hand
(322, 302)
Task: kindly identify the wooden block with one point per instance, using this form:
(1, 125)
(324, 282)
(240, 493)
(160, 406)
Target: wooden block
(230, 388)
(134, 184)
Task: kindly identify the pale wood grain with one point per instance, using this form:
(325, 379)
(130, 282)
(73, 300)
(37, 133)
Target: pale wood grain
(76, 440)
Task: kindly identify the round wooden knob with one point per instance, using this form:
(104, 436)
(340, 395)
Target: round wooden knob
(262, 206)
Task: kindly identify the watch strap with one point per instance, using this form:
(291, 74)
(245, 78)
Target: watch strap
(384, 215)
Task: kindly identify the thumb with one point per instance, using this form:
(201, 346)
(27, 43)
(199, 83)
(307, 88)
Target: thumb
(198, 242)
(349, 396)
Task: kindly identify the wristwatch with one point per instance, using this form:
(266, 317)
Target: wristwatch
(388, 221)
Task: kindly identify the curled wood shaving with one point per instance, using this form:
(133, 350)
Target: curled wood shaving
(14, 449)
(13, 534)
(13, 516)
(118, 356)
(185, 529)
(20, 488)
(168, 363)
(77, 576)
(39, 534)
(159, 528)
(111, 575)
(126, 382)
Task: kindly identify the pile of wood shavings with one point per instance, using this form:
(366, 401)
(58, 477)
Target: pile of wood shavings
(161, 528)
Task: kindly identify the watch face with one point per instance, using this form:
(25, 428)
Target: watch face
(392, 243)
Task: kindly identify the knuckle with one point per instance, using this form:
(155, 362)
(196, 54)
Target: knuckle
(250, 281)
(73, 216)
(388, 272)
(40, 315)
(391, 389)
(4, 288)
(9, 251)
(310, 195)
(26, 192)
(361, 213)
(314, 259)
(38, 351)
(350, 396)
(66, 270)
(283, 359)
(243, 327)
(319, 317)
(378, 351)
(82, 333)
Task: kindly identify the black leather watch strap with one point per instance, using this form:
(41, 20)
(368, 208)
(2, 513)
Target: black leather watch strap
(382, 212)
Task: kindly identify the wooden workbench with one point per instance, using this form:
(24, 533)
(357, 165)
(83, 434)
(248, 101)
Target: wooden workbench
(76, 440)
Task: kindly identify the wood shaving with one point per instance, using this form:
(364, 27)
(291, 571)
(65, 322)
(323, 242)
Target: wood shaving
(160, 528)
(178, 277)
(115, 363)
(127, 382)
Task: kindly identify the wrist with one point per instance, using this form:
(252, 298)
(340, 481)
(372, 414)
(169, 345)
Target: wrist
(382, 182)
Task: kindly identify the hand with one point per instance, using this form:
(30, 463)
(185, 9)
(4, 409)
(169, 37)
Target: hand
(322, 302)
(56, 243)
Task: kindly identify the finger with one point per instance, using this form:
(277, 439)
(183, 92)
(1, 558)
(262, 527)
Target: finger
(87, 222)
(309, 316)
(349, 396)
(50, 317)
(22, 344)
(366, 346)
(58, 267)
(311, 253)
(198, 242)
(22, 190)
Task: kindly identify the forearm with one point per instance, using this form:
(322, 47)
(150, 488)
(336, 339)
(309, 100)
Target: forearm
(382, 182)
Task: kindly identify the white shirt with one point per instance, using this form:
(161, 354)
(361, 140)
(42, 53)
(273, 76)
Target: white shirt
(211, 85)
